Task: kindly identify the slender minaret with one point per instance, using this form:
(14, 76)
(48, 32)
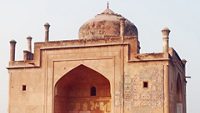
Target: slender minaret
(184, 62)
(122, 28)
(165, 35)
(108, 5)
(12, 50)
(46, 26)
(29, 43)
(25, 52)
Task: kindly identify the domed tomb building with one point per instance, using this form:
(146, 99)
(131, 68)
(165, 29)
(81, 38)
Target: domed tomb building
(101, 72)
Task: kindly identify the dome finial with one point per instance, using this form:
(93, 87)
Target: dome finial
(108, 5)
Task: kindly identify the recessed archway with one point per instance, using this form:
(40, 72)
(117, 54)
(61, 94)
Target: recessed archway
(82, 90)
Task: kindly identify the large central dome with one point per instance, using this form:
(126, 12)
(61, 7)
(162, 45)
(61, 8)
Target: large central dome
(105, 25)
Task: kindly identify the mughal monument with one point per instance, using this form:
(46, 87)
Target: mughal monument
(101, 72)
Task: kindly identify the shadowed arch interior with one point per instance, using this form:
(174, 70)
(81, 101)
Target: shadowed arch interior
(179, 95)
(82, 89)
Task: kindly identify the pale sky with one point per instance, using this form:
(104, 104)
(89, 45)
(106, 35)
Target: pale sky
(22, 18)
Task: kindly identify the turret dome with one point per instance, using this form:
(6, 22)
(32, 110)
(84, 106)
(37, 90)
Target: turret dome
(106, 24)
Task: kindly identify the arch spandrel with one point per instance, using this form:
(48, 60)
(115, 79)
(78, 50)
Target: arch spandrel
(80, 67)
(105, 67)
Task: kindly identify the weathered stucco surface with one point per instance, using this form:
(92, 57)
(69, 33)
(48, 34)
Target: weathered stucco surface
(97, 75)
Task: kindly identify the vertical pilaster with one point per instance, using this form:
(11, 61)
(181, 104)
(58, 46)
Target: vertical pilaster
(166, 89)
